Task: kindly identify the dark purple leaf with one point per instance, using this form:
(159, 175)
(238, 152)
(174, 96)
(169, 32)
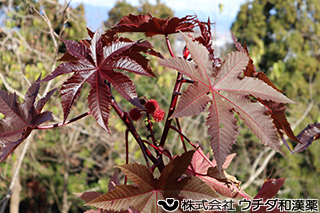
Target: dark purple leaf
(97, 59)
(124, 86)
(41, 118)
(152, 26)
(40, 104)
(99, 100)
(88, 196)
(307, 137)
(71, 88)
(270, 188)
(64, 68)
(20, 119)
(80, 51)
(96, 49)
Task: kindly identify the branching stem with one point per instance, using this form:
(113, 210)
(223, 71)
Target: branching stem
(181, 137)
(169, 46)
(64, 123)
(185, 80)
(127, 152)
(192, 144)
(158, 149)
(128, 122)
(149, 126)
(174, 99)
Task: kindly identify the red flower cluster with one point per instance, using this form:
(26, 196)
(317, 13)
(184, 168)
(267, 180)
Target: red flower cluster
(152, 107)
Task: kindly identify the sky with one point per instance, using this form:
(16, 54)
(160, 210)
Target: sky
(96, 12)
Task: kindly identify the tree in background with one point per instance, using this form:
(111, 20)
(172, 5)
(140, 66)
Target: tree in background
(58, 162)
(283, 38)
(123, 8)
(120, 9)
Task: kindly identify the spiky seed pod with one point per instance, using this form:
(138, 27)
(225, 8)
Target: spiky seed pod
(151, 106)
(135, 114)
(158, 115)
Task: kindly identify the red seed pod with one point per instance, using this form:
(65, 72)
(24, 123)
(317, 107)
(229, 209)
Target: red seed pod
(158, 115)
(151, 106)
(135, 114)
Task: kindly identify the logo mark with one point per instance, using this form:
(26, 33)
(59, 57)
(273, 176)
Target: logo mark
(169, 204)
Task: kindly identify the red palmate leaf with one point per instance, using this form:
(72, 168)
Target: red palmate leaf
(228, 93)
(307, 136)
(268, 190)
(89, 196)
(99, 100)
(199, 167)
(143, 196)
(152, 26)
(20, 119)
(277, 110)
(96, 61)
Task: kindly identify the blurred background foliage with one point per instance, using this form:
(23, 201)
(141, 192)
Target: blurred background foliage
(283, 39)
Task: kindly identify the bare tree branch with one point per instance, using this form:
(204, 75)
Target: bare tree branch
(305, 114)
(5, 200)
(9, 88)
(261, 168)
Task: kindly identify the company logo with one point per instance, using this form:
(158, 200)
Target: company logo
(169, 204)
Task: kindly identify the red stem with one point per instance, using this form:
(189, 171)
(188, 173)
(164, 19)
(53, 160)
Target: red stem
(127, 152)
(174, 99)
(157, 149)
(194, 146)
(64, 123)
(151, 130)
(160, 165)
(238, 191)
(169, 46)
(128, 122)
(181, 137)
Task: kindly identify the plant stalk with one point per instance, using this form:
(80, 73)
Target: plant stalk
(174, 99)
(64, 123)
(128, 122)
